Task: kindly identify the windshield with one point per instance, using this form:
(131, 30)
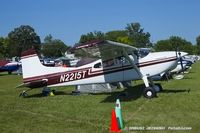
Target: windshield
(142, 52)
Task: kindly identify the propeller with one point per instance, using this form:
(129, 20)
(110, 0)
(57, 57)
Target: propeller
(181, 61)
(178, 55)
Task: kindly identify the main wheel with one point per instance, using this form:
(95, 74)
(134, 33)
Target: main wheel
(149, 92)
(158, 87)
(46, 91)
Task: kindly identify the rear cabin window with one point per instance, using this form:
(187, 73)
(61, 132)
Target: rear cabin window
(98, 65)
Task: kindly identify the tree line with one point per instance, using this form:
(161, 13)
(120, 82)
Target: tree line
(134, 35)
(25, 37)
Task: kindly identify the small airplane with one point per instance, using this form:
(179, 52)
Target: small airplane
(8, 66)
(107, 62)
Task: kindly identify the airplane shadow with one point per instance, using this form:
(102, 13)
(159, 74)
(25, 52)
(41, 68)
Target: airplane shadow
(5, 74)
(175, 91)
(185, 78)
(40, 95)
(131, 93)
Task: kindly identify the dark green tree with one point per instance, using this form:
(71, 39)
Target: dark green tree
(23, 38)
(125, 40)
(198, 45)
(4, 47)
(1, 48)
(163, 45)
(48, 39)
(181, 44)
(92, 36)
(115, 35)
(137, 35)
(174, 43)
(53, 47)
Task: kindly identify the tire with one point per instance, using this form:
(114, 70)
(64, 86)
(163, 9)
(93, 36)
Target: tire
(149, 92)
(159, 86)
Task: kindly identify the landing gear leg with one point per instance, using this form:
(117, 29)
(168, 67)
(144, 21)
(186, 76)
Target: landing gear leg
(149, 91)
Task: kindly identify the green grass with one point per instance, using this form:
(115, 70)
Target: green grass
(92, 113)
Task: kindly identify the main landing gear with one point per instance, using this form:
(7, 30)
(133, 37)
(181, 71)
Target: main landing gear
(48, 92)
(149, 92)
(150, 89)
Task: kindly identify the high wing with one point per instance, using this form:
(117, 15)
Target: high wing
(104, 49)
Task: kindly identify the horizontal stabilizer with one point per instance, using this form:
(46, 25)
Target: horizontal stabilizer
(34, 84)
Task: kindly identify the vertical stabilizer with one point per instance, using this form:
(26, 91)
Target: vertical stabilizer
(31, 65)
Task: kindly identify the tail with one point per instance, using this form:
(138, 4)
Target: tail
(31, 65)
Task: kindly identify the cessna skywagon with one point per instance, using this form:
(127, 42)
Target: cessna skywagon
(107, 62)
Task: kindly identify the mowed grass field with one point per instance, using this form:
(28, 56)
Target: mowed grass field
(177, 106)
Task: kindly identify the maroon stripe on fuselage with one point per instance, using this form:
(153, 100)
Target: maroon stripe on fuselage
(55, 77)
(56, 80)
(158, 60)
(155, 62)
(53, 74)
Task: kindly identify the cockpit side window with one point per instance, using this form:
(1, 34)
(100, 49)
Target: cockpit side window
(108, 63)
(118, 61)
(98, 65)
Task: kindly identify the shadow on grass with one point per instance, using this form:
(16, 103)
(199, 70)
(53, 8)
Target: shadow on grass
(191, 71)
(186, 78)
(40, 95)
(175, 91)
(131, 93)
(6, 74)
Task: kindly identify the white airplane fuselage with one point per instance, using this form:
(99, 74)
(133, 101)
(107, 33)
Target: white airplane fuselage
(98, 71)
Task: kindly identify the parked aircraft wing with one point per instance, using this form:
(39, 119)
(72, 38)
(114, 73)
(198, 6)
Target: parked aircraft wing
(103, 49)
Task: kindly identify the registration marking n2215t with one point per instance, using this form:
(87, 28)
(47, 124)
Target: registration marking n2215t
(73, 76)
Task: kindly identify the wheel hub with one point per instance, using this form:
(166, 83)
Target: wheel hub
(149, 93)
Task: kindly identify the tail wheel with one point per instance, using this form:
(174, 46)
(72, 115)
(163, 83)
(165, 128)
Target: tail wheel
(149, 92)
(23, 94)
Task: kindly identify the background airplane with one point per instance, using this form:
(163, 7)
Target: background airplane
(8, 66)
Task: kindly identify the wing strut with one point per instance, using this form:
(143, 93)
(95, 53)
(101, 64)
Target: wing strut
(143, 77)
(132, 63)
